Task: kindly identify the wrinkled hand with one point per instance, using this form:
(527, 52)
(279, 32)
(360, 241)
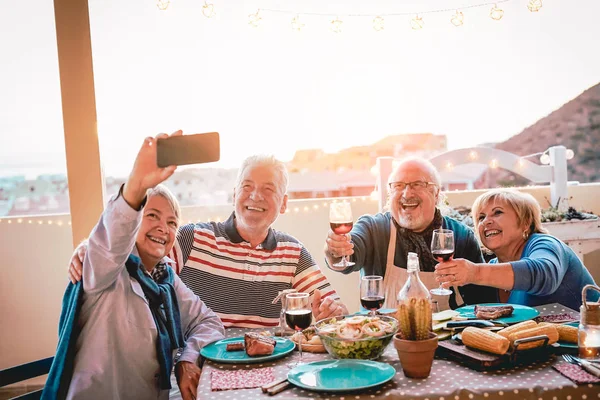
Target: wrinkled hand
(145, 173)
(326, 308)
(455, 272)
(188, 376)
(76, 265)
(339, 245)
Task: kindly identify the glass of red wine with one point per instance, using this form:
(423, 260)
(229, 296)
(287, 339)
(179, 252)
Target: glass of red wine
(442, 249)
(371, 293)
(298, 316)
(341, 221)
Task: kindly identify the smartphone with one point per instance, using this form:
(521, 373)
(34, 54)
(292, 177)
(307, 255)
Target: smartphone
(188, 149)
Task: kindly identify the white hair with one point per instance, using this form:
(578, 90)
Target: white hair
(268, 161)
(423, 164)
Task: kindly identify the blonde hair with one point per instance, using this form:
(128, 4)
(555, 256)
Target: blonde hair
(163, 191)
(525, 206)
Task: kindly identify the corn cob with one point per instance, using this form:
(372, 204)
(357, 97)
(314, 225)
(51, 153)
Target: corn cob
(517, 327)
(422, 315)
(567, 333)
(485, 340)
(548, 330)
(403, 316)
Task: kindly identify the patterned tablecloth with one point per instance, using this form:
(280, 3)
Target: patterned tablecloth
(448, 380)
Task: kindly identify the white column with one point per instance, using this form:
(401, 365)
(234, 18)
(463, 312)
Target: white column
(558, 183)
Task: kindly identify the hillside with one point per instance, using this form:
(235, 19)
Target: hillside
(575, 125)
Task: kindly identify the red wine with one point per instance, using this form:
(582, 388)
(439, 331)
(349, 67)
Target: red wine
(298, 319)
(341, 228)
(372, 302)
(442, 255)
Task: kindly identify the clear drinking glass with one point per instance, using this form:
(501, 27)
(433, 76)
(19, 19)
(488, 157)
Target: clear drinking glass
(371, 293)
(341, 221)
(442, 249)
(298, 316)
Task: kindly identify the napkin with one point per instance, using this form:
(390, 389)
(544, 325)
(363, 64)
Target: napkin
(241, 379)
(575, 373)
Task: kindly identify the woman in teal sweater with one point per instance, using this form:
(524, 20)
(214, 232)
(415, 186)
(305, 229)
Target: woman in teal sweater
(532, 267)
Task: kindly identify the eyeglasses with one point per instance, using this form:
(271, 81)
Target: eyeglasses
(416, 185)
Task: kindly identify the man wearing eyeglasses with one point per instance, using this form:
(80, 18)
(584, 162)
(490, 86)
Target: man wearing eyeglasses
(379, 244)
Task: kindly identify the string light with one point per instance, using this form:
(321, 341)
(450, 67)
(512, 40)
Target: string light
(296, 24)
(534, 5)
(378, 23)
(494, 163)
(449, 166)
(569, 154)
(417, 23)
(336, 25)
(545, 159)
(521, 162)
(473, 155)
(163, 4)
(254, 19)
(496, 13)
(458, 18)
(296, 209)
(208, 10)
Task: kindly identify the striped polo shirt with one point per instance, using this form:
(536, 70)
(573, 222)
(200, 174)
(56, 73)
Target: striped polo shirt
(239, 282)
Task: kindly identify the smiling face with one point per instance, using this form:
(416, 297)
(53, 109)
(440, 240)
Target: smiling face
(157, 232)
(498, 226)
(413, 208)
(259, 198)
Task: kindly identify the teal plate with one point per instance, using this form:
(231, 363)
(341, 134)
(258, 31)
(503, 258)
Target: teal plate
(217, 351)
(568, 345)
(341, 375)
(381, 311)
(520, 313)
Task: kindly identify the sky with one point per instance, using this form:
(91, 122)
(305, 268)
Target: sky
(272, 89)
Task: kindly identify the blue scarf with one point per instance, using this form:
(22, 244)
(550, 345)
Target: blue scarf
(163, 306)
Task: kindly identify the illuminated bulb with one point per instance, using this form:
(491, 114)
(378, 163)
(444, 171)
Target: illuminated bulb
(305, 208)
(336, 25)
(354, 200)
(49, 222)
(40, 222)
(374, 170)
(254, 19)
(417, 23)
(496, 13)
(10, 221)
(378, 24)
(163, 4)
(473, 155)
(449, 166)
(494, 163)
(19, 220)
(287, 210)
(534, 5)
(59, 223)
(569, 154)
(296, 209)
(458, 18)
(296, 24)
(208, 9)
(30, 222)
(324, 204)
(69, 222)
(521, 162)
(545, 159)
(374, 195)
(316, 206)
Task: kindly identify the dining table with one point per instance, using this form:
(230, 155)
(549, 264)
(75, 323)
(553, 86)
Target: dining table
(449, 380)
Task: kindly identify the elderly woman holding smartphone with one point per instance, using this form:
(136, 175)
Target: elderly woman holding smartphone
(532, 267)
(133, 312)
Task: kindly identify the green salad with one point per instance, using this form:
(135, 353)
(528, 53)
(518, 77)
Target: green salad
(360, 337)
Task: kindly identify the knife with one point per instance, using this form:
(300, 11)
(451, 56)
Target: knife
(478, 323)
(588, 366)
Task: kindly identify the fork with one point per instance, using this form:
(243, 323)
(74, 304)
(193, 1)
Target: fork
(589, 367)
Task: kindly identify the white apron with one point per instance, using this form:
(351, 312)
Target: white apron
(395, 277)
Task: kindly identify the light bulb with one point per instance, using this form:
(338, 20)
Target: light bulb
(296, 24)
(494, 163)
(473, 155)
(374, 195)
(458, 18)
(254, 19)
(545, 159)
(417, 23)
(336, 25)
(378, 24)
(163, 4)
(496, 13)
(449, 166)
(208, 9)
(534, 5)
(521, 162)
(569, 154)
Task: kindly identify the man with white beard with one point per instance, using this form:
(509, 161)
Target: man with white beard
(379, 244)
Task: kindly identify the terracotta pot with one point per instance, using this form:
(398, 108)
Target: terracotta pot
(416, 356)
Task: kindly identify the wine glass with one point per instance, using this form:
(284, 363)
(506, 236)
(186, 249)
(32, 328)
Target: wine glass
(298, 316)
(442, 249)
(371, 293)
(340, 221)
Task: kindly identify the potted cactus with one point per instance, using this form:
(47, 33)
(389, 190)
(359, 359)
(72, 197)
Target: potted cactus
(415, 342)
